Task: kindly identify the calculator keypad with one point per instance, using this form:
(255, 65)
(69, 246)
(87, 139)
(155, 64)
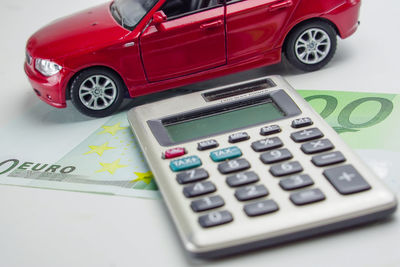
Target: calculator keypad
(346, 179)
(215, 218)
(242, 178)
(233, 166)
(277, 155)
(229, 161)
(306, 135)
(191, 176)
(225, 153)
(302, 122)
(286, 168)
(198, 189)
(251, 192)
(207, 144)
(307, 196)
(317, 146)
(207, 203)
(266, 144)
(328, 159)
(185, 163)
(174, 152)
(296, 182)
(238, 137)
(260, 207)
(271, 129)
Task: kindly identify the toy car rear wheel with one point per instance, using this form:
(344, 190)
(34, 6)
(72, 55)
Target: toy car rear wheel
(97, 92)
(311, 46)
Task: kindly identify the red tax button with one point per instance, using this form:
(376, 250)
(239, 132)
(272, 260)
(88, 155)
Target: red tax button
(174, 152)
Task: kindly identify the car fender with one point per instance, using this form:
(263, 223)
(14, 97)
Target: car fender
(123, 58)
(308, 10)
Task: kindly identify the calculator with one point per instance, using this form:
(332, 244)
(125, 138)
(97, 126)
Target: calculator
(250, 165)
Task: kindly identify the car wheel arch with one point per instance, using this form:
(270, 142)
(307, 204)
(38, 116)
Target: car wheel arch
(311, 45)
(306, 21)
(71, 80)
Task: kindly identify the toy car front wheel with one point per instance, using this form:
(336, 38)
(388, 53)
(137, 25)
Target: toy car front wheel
(311, 46)
(97, 92)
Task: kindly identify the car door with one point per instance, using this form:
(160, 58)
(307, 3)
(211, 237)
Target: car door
(254, 26)
(185, 43)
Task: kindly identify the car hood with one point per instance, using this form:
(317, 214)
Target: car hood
(88, 29)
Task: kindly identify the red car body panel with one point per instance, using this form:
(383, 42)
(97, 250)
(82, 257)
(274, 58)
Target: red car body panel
(186, 45)
(262, 28)
(202, 45)
(77, 32)
(346, 17)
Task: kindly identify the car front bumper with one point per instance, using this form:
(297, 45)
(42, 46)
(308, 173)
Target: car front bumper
(49, 89)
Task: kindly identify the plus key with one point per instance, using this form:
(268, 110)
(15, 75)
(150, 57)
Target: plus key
(346, 179)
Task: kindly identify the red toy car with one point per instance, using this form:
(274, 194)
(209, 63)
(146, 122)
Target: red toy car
(137, 47)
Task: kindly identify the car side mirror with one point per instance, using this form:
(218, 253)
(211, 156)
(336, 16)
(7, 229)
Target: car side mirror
(158, 18)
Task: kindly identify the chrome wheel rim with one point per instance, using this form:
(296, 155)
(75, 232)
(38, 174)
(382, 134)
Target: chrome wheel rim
(312, 46)
(97, 92)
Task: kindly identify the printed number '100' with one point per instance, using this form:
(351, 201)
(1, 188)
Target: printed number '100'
(386, 108)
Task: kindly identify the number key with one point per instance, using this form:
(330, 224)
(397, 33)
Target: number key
(215, 218)
(207, 203)
(275, 156)
(286, 168)
(242, 178)
(296, 182)
(251, 192)
(233, 166)
(198, 189)
(191, 176)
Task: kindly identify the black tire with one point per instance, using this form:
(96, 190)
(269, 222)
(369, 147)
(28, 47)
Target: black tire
(103, 86)
(316, 53)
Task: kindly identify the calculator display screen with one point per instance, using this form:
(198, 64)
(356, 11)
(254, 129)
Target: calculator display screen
(223, 120)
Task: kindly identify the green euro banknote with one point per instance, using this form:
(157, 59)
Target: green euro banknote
(110, 160)
(363, 120)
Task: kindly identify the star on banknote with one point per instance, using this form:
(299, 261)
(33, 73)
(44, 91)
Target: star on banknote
(112, 129)
(99, 150)
(111, 167)
(146, 177)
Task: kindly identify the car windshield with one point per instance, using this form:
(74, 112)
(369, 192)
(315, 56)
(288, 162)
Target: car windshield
(128, 13)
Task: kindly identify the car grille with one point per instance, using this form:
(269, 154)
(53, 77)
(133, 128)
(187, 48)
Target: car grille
(28, 58)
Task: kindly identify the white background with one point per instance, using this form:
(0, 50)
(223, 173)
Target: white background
(56, 228)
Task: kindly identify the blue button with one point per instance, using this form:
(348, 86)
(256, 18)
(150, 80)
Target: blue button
(225, 153)
(185, 163)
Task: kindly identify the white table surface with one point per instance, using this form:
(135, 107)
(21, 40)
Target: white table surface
(41, 227)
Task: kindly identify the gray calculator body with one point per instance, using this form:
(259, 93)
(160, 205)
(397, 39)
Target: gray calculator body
(252, 164)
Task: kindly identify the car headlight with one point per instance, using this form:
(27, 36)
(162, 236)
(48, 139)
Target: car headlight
(47, 67)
